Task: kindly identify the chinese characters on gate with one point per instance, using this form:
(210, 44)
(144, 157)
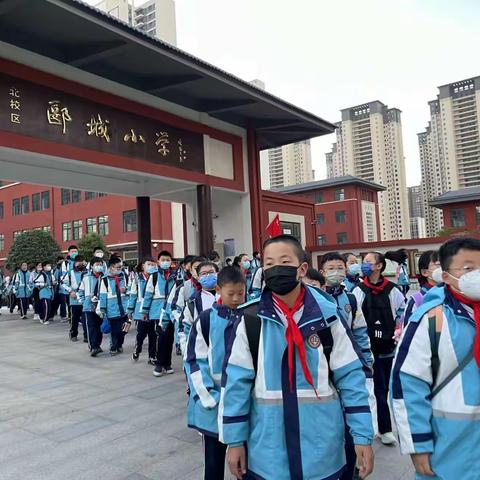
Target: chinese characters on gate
(15, 106)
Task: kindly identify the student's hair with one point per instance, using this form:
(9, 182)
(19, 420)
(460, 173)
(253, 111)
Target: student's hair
(423, 262)
(44, 264)
(96, 260)
(114, 260)
(230, 275)
(139, 266)
(255, 253)
(328, 257)
(213, 255)
(314, 274)
(98, 248)
(60, 257)
(207, 263)
(199, 259)
(79, 258)
(72, 247)
(188, 259)
(164, 253)
(452, 247)
(291, 240)
(348, 254)
(237, 260)
(399, 256)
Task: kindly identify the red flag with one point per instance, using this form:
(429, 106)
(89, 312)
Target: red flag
(274, 229)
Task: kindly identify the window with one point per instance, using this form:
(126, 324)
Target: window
(46, 228)
(458, 217)
(25, 205)
(320, 218)
(1, 210)
(321, 240)
(66, 195)
(103, 225)
(16, 234)
(477, 212)
(45, 201)
(130, 221)
(66, 231)
(77, 229)
(2, 241)
(341, 238)
(76, 196)
(35, 202)
(102, 195)
(340, 216)
(339, 194)
(16, 206)
(89, 195)
(91, 225)
(318, 197)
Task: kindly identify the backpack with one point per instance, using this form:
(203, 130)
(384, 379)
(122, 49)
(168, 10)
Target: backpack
(253, 326)
(435, 324)
(119, 297)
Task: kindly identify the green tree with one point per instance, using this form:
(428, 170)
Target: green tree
(89, 243)
(32, 247)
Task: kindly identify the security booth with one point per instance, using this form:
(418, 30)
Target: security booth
(87, 102)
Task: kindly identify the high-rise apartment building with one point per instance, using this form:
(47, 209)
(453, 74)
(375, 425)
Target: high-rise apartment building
(154, 17)
(331, 159)
(290, 164)
(415, 201)
(450, 145)
(370, 146)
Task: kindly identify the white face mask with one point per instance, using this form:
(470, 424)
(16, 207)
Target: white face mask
(436, 275)
(99, 254)
(469, 285)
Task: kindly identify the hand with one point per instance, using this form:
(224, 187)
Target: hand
(122, 290)
(72, 294)
(364, 459)
(421, 462)
(397, 334)
(237, 461)
(144, 317)
(130, 317)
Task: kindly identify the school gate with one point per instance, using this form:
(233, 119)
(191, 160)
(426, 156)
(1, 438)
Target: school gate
(89, 103)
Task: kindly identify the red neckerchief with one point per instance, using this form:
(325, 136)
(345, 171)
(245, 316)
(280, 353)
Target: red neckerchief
(376, 289)
(476, 315)
(294, 337)
(97, 274)
(219, 301)
(196, 285)
(117, 283)
(166, 274)
(145, 276)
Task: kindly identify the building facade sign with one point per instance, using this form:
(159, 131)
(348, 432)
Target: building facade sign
(41, 112)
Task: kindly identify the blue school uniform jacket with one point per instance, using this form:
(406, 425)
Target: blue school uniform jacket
(61, 273)
(89, 291)
(203, 366)
(294, 434)
(111, 304)
(156, 295)
(447, 425)
(137, 293)
(44, 281)
(351, 282)
(22, 286)
(71, 283)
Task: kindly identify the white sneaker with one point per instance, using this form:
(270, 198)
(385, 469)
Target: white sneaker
(46, 322)
(36, 317)
(388, 438)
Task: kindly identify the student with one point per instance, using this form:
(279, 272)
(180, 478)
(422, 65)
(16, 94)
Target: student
(154, 308)
(204, 362)
(67, 266)
(36, 277)
(242, 261)
(181, 293)
(435, 390)
(145, 327)
(314, 278)
(214, 257)
(71, 285)
(89, 293)
(257, 285)
(256, 260)
(44, 283)
(382, 304)
(287, 357)
(98, 253)
(228, 262)
(354, 269)
(333, 267)
(201, 300)
(403, 279)
(429, 276)
(22, 289)
(58, 298)
(111, 304)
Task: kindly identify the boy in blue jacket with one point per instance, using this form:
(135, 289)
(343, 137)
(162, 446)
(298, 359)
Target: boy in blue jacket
(22, 289)
(203, 365)
(291, 373)
(145, 326)
(71, 285)
(44, 283)
(111, 304)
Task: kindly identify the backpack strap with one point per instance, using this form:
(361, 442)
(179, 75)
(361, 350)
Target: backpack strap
(435, 324)
(253, 326)
(354, 304)
(466, 360)
(205, 324)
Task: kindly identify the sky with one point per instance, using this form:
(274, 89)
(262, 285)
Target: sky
(325, 55)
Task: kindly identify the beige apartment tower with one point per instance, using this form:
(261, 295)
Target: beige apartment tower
(154, 17)
(450, 145)
(290, 165)
(370, 146)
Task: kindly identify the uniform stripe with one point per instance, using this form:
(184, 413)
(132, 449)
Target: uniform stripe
(237, 419)
(359, 409)
(422, 437)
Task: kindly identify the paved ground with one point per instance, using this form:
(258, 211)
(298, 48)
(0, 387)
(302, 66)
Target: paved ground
(65, 415)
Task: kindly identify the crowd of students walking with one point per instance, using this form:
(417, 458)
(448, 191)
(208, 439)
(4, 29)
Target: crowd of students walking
(293, 371)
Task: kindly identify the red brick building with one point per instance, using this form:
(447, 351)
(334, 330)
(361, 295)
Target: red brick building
(461, 210)
(71, 214)
(346, 209)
